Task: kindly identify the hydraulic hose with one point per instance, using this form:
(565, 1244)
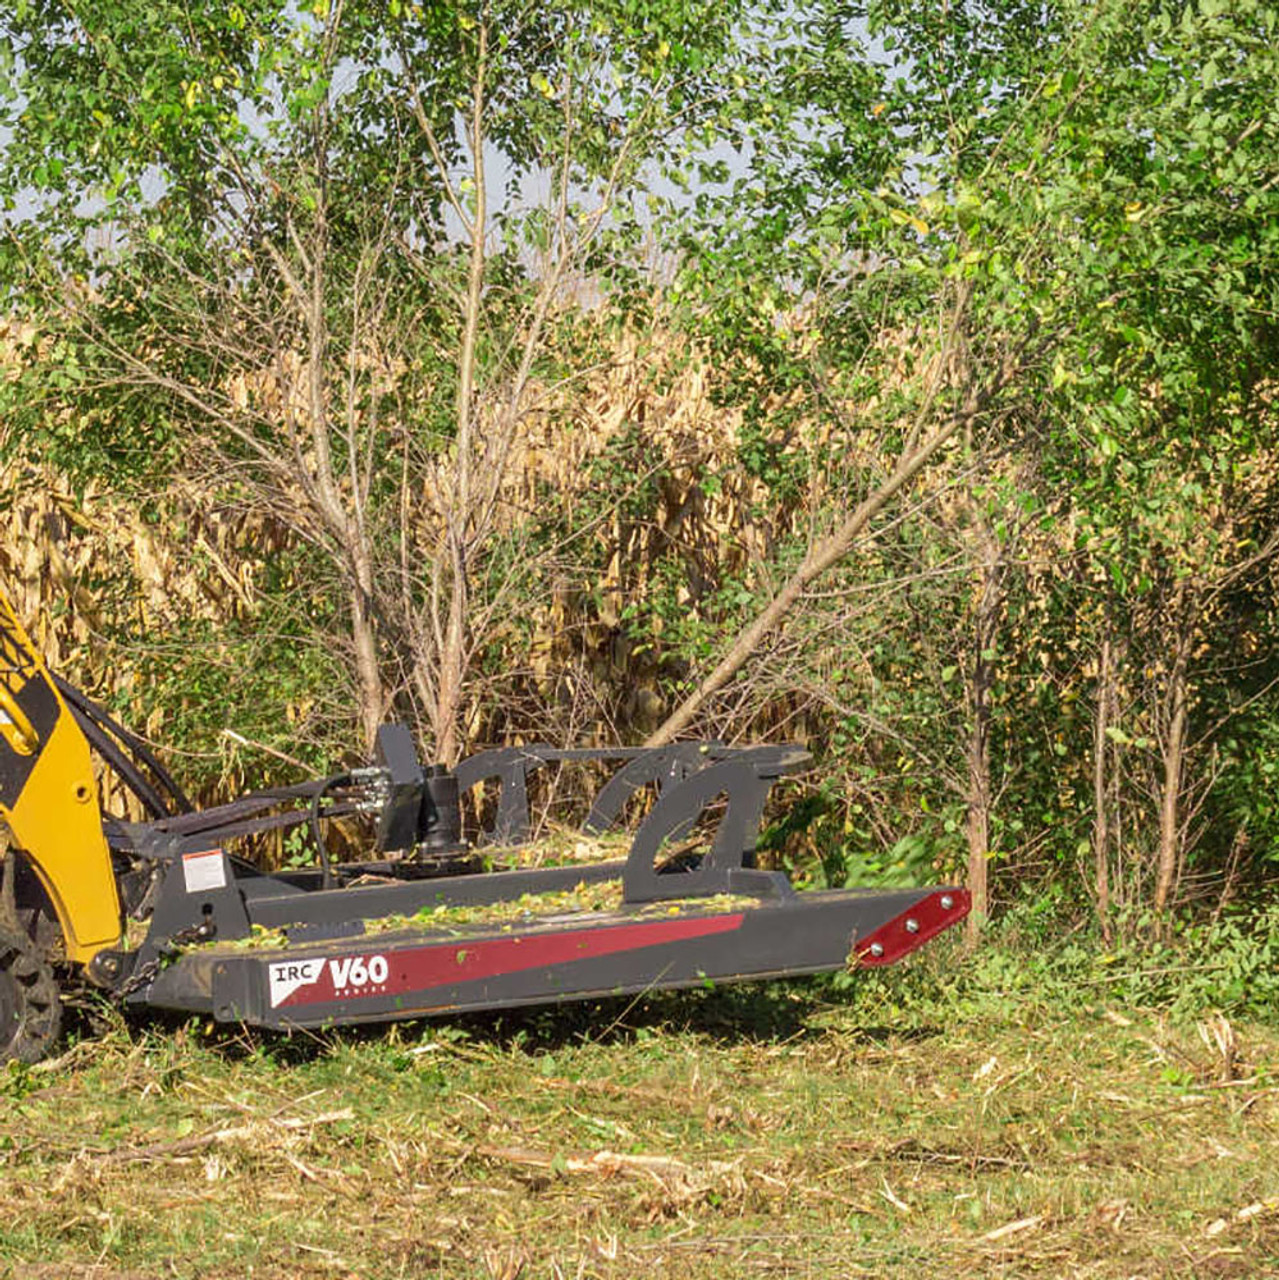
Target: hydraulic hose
(327, 880)
(128, 772)
(88, 712)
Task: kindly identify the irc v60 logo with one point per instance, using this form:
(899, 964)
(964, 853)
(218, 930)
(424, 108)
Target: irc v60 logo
(345, 975)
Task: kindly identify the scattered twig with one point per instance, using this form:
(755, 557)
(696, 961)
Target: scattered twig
(215, 1137)
(1014, 1228)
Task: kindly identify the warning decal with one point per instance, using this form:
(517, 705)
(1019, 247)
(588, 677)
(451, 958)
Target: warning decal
(204, 872)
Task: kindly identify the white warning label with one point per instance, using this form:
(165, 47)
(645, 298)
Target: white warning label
(203, 872)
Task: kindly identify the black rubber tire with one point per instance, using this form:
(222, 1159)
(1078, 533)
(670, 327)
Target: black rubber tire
(30, 1006)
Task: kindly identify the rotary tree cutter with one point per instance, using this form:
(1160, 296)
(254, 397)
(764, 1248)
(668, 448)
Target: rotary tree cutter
(409, 918)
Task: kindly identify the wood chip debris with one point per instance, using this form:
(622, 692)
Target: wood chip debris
(216, 1137)
(894, 1199)
(606, 1162)
(1014, 1228)
(1246, 1214)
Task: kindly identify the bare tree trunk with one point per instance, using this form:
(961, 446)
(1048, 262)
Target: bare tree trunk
(354, 554)
(831, 550)
(453, 653)
(979, 798)
(367, 670)
(1101, 807)
(442, 645)
(1168, 864)
(977, 828)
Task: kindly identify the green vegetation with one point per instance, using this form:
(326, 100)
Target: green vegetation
(582, 899)
(945, 435)
(895, 379)
(899, 379)
(1015, 1113)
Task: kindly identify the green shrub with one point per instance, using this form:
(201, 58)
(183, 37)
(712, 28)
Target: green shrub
(1228, 965)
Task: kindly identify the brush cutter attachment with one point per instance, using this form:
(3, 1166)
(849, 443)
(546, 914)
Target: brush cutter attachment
(425, 930)
(420, 920)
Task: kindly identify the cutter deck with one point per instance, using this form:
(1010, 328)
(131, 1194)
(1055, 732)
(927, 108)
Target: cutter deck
(550, 960)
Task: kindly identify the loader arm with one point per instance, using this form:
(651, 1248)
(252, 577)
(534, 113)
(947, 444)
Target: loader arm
(48, 797)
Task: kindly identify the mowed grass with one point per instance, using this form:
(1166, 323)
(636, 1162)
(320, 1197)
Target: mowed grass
(769, 1131)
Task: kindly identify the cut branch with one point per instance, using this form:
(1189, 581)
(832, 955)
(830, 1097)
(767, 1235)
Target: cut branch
(829, 552)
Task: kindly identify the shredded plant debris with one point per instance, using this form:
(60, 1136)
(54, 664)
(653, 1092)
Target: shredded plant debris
(561, 846)
(769, 1131)
(583, 899)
